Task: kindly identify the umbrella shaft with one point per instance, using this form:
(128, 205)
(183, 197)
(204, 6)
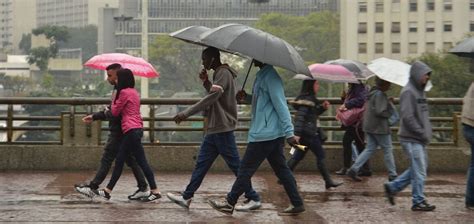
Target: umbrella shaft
(247, 76)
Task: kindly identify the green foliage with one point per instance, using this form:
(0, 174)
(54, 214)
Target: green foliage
(18, 85)
(178, 63)
(25, 43)
(40, 55)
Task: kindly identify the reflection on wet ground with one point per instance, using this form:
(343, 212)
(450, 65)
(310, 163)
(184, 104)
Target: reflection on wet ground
(50, 197)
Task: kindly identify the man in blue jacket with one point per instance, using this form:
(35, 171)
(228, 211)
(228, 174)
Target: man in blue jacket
(269, 127)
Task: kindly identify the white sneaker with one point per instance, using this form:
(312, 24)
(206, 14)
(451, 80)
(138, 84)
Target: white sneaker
(139, 194)
(178, 199)
(84, 190)
(248, 206)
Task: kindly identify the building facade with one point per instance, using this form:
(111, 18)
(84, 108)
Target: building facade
(400, 29)
(165, 16)
(70, 13)
(17, 17)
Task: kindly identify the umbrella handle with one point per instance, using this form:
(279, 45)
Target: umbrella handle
(246, 77)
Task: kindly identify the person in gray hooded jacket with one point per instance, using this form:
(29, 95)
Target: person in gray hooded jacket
(414, 134)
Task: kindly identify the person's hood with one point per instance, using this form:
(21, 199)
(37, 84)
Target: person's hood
(233, 71)
(417, 70)
(373, 91)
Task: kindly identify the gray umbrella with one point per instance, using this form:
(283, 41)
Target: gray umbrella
(464, 49)
(256, 44)
(190, 34)
(358, 68)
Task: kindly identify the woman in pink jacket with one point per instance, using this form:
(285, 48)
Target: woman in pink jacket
(127, 104)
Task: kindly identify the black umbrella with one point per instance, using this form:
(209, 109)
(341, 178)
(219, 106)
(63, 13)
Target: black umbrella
(464, 49)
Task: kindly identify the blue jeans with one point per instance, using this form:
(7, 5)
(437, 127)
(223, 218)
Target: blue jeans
(213, 145)
(415, 174)
(373, 141)
(469, 135)
(255, 154)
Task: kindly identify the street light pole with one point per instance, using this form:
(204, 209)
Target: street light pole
(144, 81)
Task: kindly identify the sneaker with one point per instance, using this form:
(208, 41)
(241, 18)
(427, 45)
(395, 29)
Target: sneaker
(222, 206)
(342, 171)
(102, 193)
(389, 194)
(423, 207)
(178, 199)
(248, 205)
(365, 173)
(150, 197)
(290, 211)
(353, 175)
(138, 194)
(84, 190)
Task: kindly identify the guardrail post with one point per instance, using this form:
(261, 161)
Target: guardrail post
(72, 113)
(152, 123)
(10, 123)
(88, 126)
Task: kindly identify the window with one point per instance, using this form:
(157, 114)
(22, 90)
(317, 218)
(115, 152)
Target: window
(412, 48)
(379, 27)
(448, 5)
(430, 47)
(362, 6)
(430, 5)
(471, 5)
(362, 28)
(395, 48)
(447, 46)
(379, 6)
(412, 27)
(430, 26)
(447, 26)
(362, 48)
(395, 27)
(395, 5)
(471, 26)
(413, 6)
(379, 48)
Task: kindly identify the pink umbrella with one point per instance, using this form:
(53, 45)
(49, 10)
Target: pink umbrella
(138, 65)
(332, 73)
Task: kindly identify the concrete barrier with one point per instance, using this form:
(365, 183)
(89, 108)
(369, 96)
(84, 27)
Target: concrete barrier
(182, 158)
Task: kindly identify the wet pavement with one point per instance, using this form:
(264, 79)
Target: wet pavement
(50, 197)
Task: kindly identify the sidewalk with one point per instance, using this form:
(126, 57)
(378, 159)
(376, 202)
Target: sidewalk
(49, 197)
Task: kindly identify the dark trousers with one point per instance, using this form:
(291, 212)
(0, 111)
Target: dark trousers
(131, 144)
(213, 145)
(110, 152)
(353, 134)
(255, 154)
(314, 144)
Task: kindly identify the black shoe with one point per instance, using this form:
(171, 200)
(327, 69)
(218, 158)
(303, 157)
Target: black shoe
(389, 194)
(222, 206)
(290, 211)
(151, 197)
(391, 178)
(137, 195)
(102, 193)
(342, 171)
(353, 175)
(365, 173)
(332, 184)
(423, 207)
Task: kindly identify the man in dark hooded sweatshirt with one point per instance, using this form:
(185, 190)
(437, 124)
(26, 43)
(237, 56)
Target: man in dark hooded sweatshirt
(414, 134)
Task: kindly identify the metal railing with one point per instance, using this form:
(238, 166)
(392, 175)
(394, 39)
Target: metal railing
(161, 124)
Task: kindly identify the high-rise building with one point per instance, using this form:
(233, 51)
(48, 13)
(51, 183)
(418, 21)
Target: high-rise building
(400, 29)
(70, 13)
(123, 32)
(17, 17)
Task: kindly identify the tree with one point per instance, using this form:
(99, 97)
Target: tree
(25, 43)
(41, 55)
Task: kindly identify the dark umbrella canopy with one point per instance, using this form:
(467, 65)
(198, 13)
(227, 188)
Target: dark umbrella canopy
(464, 49)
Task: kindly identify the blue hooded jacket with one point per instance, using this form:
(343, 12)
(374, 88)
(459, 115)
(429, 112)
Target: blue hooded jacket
(270, 115)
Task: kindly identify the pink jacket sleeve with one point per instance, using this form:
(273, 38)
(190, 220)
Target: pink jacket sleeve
(119, 104)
